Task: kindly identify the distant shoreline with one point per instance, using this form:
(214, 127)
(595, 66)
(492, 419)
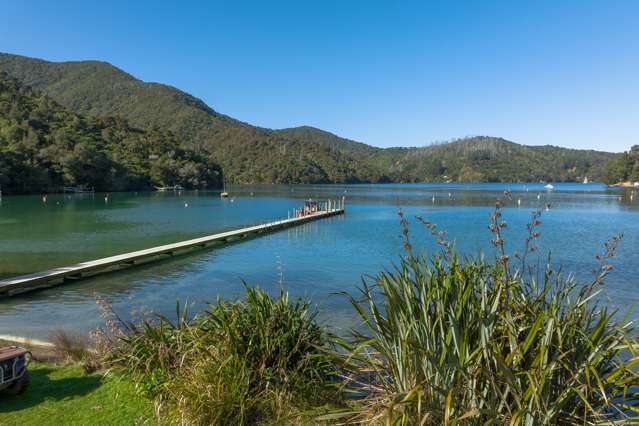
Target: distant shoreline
(628, 184)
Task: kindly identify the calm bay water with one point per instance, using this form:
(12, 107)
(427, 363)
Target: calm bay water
(315, 260)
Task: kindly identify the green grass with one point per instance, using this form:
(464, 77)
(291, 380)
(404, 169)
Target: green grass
(66, 395)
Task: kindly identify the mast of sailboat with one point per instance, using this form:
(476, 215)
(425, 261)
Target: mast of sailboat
(224, 194)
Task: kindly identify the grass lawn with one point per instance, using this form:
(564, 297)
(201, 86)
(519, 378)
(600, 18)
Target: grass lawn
(68, 396)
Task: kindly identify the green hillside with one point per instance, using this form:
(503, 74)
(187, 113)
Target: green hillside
(479, 158)
(251, 154)
(383, 160)
(44, 146)
(489, 159)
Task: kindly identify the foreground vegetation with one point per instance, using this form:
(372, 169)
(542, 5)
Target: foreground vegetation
(445, 339)
(250, 154)
(44, 147)
(257, 360)
(66, 395)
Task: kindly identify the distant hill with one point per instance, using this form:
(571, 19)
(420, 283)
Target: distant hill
(490, 159)
(479, 158)
(100, 89)
(329, 140)
(248, 154)
(251, 154)
(44, 147)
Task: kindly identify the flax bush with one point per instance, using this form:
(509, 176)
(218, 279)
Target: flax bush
(462, 340)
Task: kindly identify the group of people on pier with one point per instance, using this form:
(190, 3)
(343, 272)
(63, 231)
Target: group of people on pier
(311, 207)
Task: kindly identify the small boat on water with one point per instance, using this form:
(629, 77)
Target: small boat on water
(168, 188)
(549, 186)
(586, 181)
(76, 190)
(224, 194)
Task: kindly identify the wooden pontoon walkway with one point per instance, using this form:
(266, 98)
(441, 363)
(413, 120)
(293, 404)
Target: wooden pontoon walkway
(56, 276)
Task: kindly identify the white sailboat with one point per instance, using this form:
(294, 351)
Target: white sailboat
(586, 181)
(224, 194)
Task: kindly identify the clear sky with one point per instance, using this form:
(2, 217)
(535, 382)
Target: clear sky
(386, 73)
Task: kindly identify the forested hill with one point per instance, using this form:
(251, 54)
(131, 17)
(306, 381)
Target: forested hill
(471, 159)
(330, 140)
(44, 146)
(624, 167)
(250, 154)
(490, 159)
(386, 161)
(100, 89)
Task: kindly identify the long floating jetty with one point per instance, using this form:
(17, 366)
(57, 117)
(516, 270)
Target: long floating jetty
(57, 276)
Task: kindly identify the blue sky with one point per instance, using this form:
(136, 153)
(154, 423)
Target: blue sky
(387, 73)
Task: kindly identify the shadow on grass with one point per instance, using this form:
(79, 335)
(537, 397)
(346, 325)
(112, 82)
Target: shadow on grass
(44, 388)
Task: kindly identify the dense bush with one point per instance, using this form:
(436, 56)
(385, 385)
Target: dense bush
(44, 147)
(624, 167)
(457, 340)
(240, 362)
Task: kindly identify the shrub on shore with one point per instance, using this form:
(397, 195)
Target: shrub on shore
(255, 360)
(71, 348)
(458, 340)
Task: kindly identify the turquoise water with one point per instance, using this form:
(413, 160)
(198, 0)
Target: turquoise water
(316, 260)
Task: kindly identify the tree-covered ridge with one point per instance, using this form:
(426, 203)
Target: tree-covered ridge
(251, 154)
(624, 167)
(490, 159)
(383, 160)
(472, 159)
(100, 89)
(44, 146)
(248, 154)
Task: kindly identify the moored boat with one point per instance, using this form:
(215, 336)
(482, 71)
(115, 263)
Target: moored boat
(168, 188)
(76, 190)
(224, 194)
